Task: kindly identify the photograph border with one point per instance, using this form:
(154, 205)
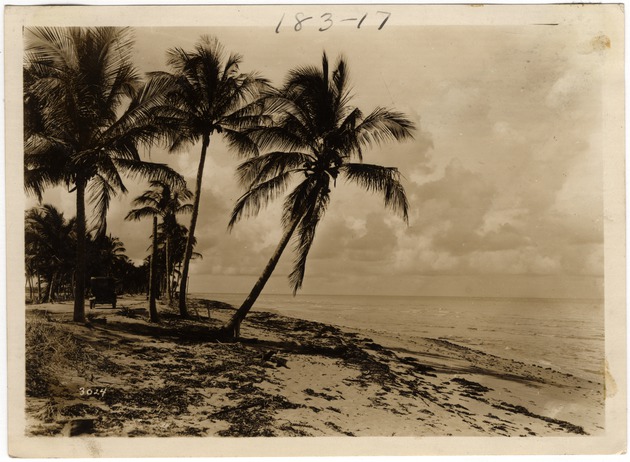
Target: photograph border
(608, 18)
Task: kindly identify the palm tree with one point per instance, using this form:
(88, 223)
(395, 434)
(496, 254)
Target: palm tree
(164, 200)
(179, 239)
(84, 120)
(205, 94)
(317, 134)
(133, 279)
(49, 240)
(168, 238)
(107, 253)
(170, 230)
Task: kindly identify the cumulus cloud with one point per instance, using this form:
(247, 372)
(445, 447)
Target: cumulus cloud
(451, 210)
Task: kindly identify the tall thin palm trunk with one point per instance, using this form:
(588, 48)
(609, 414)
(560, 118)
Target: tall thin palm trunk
(79, 290)
(39, 288)
(169, 271)
(183, 310)
(167, 276)
(177, 277)
(30, 288)
(51, 288)
(234, 326)
(153, 277)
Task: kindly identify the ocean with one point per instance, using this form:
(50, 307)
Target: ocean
(564, 334)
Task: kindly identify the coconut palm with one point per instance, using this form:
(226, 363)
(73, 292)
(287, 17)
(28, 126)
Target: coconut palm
(172, 238)
(179, 238)
(49, 240)
(205, 94)
(163, 200)
(317, 134)
(106, 254)
(132, 279)
(84, 120)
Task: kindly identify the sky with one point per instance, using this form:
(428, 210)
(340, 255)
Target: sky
(503, 176)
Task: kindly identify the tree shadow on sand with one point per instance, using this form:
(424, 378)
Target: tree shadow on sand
(171, 327)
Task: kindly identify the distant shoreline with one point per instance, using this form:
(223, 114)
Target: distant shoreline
(456, 297)
(569, 334)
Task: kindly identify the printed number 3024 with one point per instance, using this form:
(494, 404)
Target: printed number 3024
(92, 391)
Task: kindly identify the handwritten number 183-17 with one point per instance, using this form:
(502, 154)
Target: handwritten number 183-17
(326, 21)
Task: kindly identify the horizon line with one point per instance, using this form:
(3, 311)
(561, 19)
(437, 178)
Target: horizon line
(244, 294)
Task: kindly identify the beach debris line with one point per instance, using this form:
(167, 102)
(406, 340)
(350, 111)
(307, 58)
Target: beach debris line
(334, 382)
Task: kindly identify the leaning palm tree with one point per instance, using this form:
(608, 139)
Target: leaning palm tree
(317, 134)
(205, 94)
(84, 120)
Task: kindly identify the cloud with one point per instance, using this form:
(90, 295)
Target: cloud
(451, 210)
(504, 175)
(342, 247)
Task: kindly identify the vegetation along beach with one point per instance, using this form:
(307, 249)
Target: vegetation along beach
(218, 243)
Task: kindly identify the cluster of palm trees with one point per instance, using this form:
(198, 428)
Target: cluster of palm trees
(88, 112)
(50, 243)
(166, 202)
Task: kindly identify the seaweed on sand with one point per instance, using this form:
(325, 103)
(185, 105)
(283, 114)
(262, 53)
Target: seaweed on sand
(165, 400)
(254, 416)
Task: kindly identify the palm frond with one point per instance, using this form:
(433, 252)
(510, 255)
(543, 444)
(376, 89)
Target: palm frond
(185, 208)
(258, 196)
(299, 200)
(240, 143)
(261, 168)
(305, 235)
(150, 170)
(148, 198)
(278, 138)
(183, 193)
(147, 121)
(100, 192)
(383, 125)
(341, 82)
(384, 180)
(45, 166)
(140, 213)
(106, 168)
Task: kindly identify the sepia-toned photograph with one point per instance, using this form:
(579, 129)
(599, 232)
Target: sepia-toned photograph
(246, 228)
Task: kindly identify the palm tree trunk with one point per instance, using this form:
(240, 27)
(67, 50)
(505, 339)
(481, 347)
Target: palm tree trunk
(30, 287)
(79, 288)
(51, 288)
(183, 310)
(232, 329)
(177, 277)
(169, 292)
(39, 288)
(153, 279)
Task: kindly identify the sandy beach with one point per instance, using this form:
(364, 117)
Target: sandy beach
(122, 376)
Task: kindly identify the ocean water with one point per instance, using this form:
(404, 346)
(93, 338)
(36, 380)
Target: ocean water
(564, 334)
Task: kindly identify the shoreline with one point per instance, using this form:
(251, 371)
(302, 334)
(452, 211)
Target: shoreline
(572, 341)
(292, 377)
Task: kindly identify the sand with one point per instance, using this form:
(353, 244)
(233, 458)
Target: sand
(122, 376)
